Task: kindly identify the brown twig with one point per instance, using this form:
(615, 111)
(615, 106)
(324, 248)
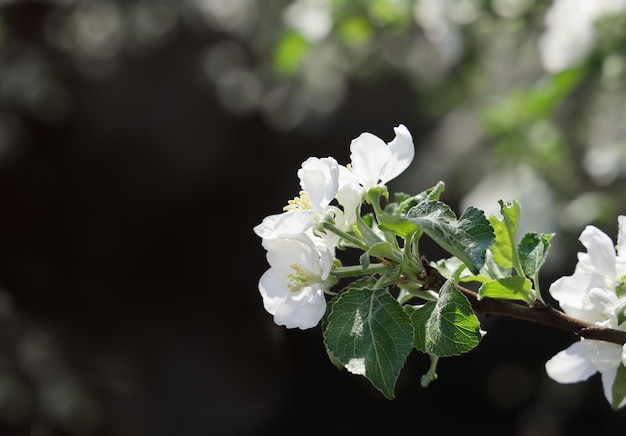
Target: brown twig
(542, 314)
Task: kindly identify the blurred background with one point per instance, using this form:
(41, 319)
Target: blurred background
(141, 140)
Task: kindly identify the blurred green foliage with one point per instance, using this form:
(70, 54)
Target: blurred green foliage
(502, 123)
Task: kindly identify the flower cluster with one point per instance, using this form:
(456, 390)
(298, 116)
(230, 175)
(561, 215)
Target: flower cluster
(406, 302)
(301, 242)
(595, 293)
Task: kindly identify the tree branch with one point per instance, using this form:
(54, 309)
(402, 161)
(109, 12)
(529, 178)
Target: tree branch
(543, 314)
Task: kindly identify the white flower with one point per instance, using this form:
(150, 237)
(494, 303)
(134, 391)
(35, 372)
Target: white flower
(299, 252)
(373, 163)
(592, 294)
(319, 180)
(570, 32)
(598, 268)
(293, 288)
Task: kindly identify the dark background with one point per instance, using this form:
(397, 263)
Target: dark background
(129, 269)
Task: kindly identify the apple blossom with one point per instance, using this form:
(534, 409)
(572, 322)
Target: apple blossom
(592, 294)
(293, 288)
(319, 180)
(374, 162)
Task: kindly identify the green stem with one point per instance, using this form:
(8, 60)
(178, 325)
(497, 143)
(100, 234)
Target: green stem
(431, 375)
(348, 237)
(357, 270)
(537, 290)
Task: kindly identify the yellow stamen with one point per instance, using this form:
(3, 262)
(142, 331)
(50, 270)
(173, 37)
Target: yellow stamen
(302, 202)
(300, 278)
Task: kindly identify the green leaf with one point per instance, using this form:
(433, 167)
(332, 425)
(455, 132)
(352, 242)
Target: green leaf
(324, 323)
(466, 238)
(533, 251)
(508, 288)
(399, 198)
(429, 194)
(402, 226)
(395, 217)
(492, 270)
(446, 327)
(503, 250)
(619, 387)
(382, 250)
(365, 232)
(364, 260)
(620, 312)
(370, 334)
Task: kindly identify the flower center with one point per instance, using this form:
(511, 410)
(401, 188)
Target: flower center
(300, 278)
(302, 202)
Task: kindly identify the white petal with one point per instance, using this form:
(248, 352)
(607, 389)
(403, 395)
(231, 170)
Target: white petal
(620, 267)
(369, 155)
(584, 264)
(402, 153)
(570, 365)
(600, 249)
(571, 293)
(320, 179)
(347, 177)
(273, 290)
(604, 301)
(286, 252)
(621, 235)
(350, 200)
(303, 310)
(324, 261)
(291, 223)
(349, 195)
(604, 355)
(570, 290)
(624, 355)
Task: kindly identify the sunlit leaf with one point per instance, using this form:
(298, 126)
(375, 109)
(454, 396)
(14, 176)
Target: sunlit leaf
(446, 327)
(370, 334)
(619, 387)
(504, 250)
(324, 323)
(533, 251)
(620, 311)
(466, 238)
(429, 194)
(508, 288)
(365, 232)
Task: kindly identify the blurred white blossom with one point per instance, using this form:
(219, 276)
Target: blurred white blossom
(312, 18)
(570, 33)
